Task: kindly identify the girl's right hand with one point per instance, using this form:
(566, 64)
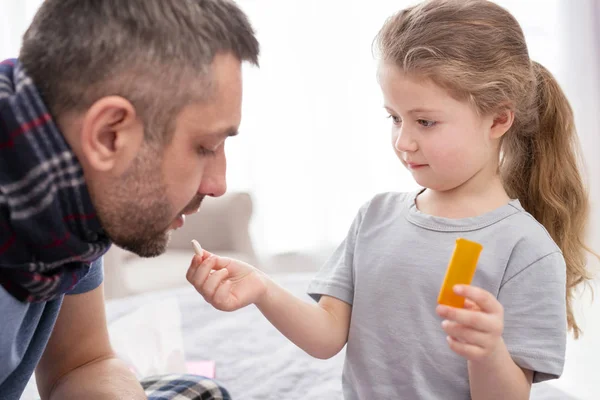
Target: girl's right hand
(225, 283)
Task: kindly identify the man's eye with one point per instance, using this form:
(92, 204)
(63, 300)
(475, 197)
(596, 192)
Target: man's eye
(204, 152)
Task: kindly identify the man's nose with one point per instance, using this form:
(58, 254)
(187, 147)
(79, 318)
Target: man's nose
(214, 180)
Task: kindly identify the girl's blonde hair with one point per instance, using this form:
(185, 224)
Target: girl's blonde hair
(476, 50)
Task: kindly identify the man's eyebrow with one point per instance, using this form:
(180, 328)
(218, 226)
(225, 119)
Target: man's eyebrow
(223, 134)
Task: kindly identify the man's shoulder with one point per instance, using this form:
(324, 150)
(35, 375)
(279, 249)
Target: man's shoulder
(91, 280)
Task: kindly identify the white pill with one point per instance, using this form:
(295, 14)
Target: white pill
(197, 248)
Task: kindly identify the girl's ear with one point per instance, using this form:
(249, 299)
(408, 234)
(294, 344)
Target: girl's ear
(501, 123)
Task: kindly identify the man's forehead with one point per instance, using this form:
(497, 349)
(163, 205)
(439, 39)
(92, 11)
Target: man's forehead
(210, 120)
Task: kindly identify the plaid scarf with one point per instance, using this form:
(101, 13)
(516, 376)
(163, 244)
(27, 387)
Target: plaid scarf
(49, 232)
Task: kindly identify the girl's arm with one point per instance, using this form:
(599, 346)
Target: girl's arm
(499, 378)
(319, 329)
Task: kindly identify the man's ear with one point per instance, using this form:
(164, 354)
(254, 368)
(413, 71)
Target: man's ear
(111, 135)
(501, 123)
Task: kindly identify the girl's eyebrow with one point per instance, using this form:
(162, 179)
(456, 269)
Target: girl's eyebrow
(415, 110)
(422, 110)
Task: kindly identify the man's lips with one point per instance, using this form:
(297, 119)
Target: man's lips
(180, 220)
(178, 223)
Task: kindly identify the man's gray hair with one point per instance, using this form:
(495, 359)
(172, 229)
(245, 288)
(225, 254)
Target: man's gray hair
(151, 52)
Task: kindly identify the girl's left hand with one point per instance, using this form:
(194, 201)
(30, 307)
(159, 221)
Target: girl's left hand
(475, 331)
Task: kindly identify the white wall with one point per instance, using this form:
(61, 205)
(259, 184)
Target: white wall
(15, 16)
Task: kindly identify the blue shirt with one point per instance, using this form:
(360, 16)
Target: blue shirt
(24, 332)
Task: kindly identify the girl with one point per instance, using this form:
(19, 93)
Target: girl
(489, 135)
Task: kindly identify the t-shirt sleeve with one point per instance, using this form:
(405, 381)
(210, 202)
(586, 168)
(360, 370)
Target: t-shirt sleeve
(535, 320)
(92, 280)
(336, 277)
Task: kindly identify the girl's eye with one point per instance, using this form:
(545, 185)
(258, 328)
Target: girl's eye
(395, 120)
(426, 123)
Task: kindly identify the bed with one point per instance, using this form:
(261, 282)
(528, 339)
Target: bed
(254, 361)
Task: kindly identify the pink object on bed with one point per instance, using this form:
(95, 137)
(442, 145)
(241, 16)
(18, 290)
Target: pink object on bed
(204, 368)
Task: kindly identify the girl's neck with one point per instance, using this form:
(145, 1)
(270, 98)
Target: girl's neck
(475, 197)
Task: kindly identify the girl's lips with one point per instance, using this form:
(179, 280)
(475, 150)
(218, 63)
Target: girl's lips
(415, 165)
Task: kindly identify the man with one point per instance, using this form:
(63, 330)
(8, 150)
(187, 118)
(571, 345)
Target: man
(112, 129)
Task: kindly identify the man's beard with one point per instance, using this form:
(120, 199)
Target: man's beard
(139, 218)
(150, 236)
(135, 212)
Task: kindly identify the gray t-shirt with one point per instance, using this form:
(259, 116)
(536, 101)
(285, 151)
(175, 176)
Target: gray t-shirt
(24, 332)
(390, 269)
